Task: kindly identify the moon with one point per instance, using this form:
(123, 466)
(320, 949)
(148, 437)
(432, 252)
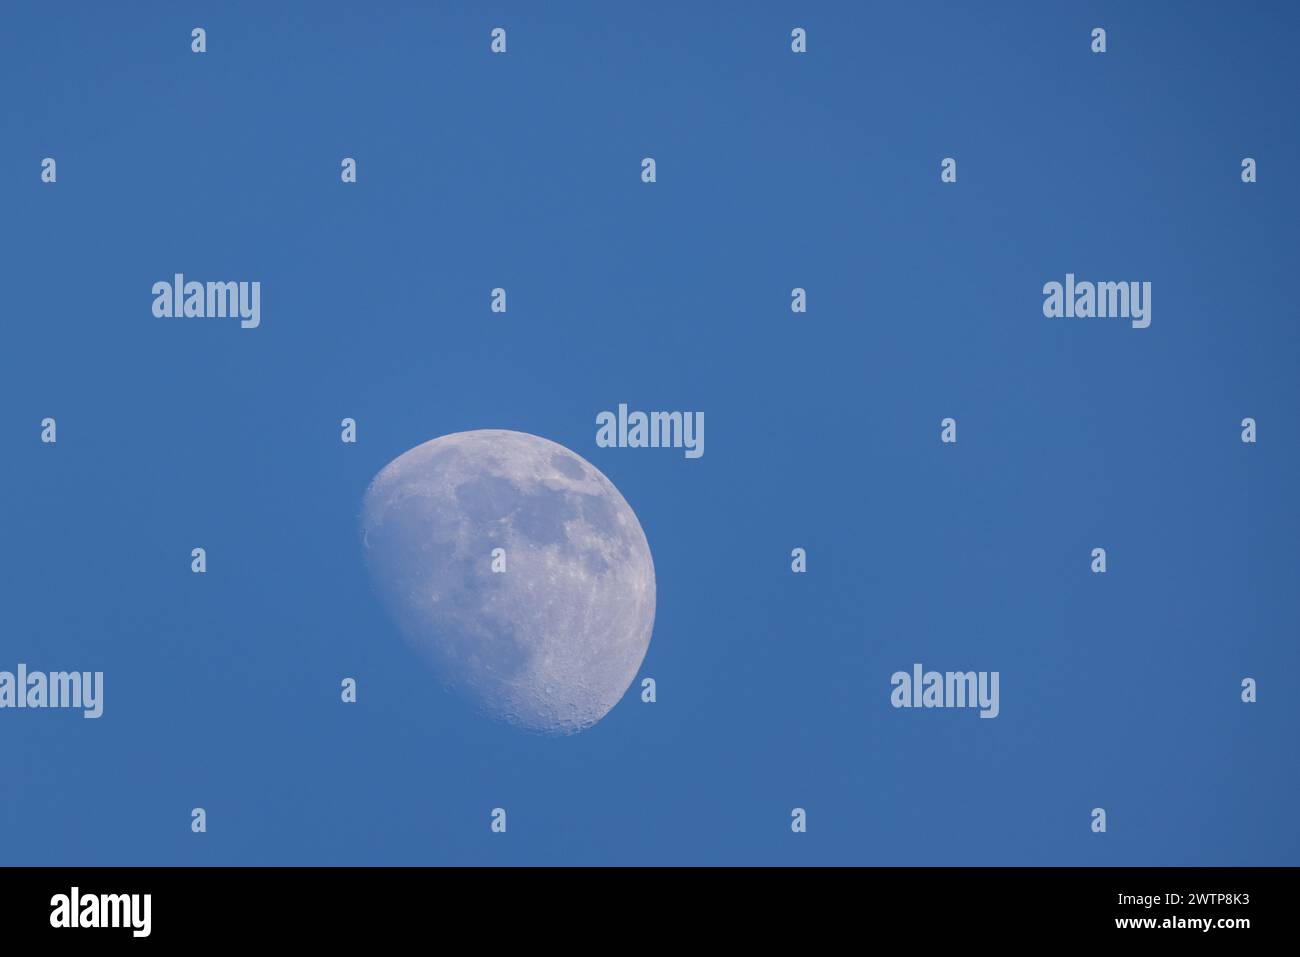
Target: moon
(545, 634)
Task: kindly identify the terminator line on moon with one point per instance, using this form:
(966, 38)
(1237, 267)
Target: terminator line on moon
(551, 643)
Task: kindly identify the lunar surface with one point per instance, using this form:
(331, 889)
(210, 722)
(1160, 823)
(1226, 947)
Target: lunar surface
(551, 643)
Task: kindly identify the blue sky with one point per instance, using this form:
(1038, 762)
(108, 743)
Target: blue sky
(774, 171)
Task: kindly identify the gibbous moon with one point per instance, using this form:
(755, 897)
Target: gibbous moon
(548, 644)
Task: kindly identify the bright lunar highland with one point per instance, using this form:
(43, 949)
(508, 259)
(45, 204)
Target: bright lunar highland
(545, 634)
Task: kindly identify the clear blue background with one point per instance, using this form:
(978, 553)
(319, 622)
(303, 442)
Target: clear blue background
(775, 171)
